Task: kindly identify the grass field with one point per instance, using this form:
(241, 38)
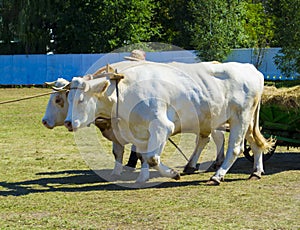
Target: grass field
(46, 184)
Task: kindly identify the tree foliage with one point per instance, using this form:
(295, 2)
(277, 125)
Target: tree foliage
(287, 13)
(34, 25)
(258, 27)
(9, 42)
(213, 28)
(125, 22)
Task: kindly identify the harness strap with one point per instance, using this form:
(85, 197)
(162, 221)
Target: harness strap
(117, 93)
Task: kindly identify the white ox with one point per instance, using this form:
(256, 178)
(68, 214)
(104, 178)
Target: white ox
(157, 101)
(56, 112)
(57, 106)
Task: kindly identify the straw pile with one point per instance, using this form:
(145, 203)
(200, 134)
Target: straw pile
(288, 98)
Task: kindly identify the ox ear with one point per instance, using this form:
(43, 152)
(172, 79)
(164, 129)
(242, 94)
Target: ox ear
(100, 88)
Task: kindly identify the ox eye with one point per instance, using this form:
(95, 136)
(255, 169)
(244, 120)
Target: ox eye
(58, 100)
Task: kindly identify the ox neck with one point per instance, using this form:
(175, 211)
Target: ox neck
(110, 98)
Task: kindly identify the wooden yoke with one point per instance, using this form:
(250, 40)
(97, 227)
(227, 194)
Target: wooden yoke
(114, 72)
(108, 72)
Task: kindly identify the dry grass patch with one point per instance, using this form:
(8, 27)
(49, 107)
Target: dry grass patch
(288, 98)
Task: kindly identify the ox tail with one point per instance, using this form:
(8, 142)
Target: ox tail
(264, 144)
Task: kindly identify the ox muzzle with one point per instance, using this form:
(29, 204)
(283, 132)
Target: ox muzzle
(45, 122)
(72, 126)
(68, 125)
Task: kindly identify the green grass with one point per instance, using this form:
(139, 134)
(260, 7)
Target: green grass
(46, 184)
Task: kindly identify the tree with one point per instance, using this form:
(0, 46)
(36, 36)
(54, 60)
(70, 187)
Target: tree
(9, 39)
(73, 26)
(211, 29)
(33, 26)
(216, 27)
(173, 19)
(258, 27)
(103, 25)
(287, 13)
(127, 22)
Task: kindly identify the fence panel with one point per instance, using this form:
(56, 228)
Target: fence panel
(36, 69)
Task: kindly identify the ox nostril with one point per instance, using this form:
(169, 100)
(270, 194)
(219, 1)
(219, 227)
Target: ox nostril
(68, 125)
(46, 124)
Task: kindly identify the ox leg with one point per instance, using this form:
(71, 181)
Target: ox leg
(155, 162)
(235, 148)
(258, 168)
(219, 139)
(144, 173)
(133, 158)
(152, 159)
(159, 131)
(200, 144)
(118, 151)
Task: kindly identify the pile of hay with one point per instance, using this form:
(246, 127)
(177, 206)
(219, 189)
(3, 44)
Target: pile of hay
(288, 98)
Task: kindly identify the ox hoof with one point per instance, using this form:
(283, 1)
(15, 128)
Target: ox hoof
(255, 176)
(189, 170)
(214, 181)
(176, 175)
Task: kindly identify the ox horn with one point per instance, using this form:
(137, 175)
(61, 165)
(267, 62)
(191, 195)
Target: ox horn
(63, 88)
(52, 83)
(99, 71)
(88, 77)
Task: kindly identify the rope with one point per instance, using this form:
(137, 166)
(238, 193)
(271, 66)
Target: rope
(177, 147)
(26, 98)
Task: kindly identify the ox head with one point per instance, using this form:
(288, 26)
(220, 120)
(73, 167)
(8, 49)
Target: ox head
(57, 106)
(84, 101)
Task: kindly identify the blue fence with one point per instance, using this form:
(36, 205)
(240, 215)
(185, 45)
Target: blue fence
(36, 69)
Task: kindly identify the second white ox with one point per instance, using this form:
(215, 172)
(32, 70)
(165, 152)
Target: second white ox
(157, 101)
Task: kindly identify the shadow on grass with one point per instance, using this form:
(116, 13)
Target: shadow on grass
(77, 181)
(279, 162)
(88, 180)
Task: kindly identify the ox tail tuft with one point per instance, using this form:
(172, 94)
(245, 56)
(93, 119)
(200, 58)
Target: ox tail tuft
(264, 144)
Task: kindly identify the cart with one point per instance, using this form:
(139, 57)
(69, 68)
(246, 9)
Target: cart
(280, 123)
